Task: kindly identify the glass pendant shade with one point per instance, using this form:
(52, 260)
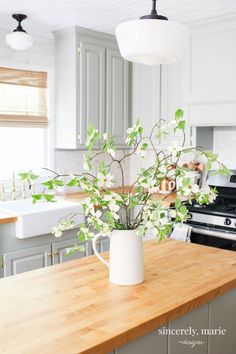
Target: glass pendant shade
(152, 39)
(19, 40)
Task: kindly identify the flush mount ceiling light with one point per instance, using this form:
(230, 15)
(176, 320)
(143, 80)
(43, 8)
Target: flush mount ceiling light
(19, 39)
(152, 39)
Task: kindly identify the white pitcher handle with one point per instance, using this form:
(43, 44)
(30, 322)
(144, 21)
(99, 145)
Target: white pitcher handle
(97, 254)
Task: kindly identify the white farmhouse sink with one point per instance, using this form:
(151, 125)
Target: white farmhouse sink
(38, 219)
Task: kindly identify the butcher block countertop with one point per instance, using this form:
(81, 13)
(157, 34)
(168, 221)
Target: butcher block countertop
(5, 218)
(72, 308)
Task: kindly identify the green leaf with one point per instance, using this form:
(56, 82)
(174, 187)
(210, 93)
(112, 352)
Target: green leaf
(73, 182)
(177, 203)
(49, 198)
(186, 182)
(212, 157)
(32, 176)
(179, 114)
(23, 175)
(181, 125)
(224, 171)
(58, 183)
(36, 197)
(208, 166)
(49, 184)
(27, 176)
(102, 167)
(72, 250)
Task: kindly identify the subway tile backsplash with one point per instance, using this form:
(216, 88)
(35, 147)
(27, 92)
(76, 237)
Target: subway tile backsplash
(225, 145)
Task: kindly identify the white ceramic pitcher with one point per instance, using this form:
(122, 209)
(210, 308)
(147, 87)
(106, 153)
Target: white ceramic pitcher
(126, 257)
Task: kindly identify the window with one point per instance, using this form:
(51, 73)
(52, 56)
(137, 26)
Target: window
(23, 120)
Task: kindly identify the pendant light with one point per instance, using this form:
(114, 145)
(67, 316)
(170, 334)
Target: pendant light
(19, 39)
(152, 39)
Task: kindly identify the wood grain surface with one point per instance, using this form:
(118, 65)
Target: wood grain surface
(5, 218)
(72, 308)
(166, 199)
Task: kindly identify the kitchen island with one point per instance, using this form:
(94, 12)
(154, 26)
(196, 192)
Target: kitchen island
(72, 308)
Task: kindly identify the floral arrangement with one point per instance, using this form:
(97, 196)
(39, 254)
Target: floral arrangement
(106, 210)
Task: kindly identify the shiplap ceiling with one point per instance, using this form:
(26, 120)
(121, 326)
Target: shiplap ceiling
(104, 15)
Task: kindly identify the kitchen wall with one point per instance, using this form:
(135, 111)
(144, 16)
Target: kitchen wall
(41, 54)
(72, 161)
(224, 144)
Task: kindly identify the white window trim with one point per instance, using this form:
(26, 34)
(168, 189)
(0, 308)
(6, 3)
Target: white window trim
(50, 132)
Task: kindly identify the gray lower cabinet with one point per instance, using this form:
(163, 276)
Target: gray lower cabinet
(152, 343)
(222, 315)
(59, 250)
(185, 343)
(39, 256)
(104, 244)
(26, 260)
(210, 329)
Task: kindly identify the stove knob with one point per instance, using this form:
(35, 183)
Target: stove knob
(227, 222)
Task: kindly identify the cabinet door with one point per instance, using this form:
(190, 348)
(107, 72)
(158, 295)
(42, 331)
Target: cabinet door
(183, 343)
(171, 100)
(209, 80)
(151, 343)
(104, 244)
(92, 89)
(223, 316)
(117, 110)
(59, 251)
(146, 96)
(27, 259)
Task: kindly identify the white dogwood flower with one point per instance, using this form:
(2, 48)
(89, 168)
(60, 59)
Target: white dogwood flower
(56, 231)
(105, 181)
(195, 188)
(174, 148)
(111, 152)
(151, 187)
(112, 197)
(140, 152)
(105, 136)
(96, 213)
(86, 164)
(113, 206)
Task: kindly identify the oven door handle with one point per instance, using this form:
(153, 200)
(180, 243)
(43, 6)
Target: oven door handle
(214, 233)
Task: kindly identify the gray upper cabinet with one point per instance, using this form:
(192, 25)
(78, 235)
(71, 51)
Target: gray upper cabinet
(118, 96)
(92, 87)
(27, 259)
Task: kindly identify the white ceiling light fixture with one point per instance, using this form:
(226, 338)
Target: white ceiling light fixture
(19, 39)
(152, 39)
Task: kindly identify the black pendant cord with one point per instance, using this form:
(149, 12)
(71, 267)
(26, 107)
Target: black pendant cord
(154, 15)
(154, 5)
(19, 18)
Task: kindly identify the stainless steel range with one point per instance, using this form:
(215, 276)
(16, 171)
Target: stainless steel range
(215, 224)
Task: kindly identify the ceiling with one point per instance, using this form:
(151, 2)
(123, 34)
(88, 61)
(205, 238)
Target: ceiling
(104, 15)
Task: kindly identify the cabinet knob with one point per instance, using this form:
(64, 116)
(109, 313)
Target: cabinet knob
(54, 253)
